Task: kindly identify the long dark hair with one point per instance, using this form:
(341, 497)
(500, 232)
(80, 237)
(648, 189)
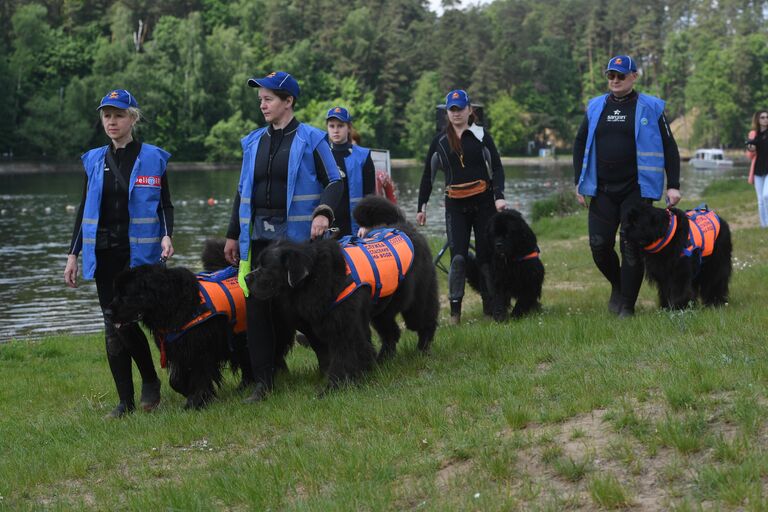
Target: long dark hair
(756, 120)
(453, 140)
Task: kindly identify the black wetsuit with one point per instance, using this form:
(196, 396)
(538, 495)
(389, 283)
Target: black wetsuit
(618, 190)
(112, 257)
(343, 215)
(270, 196)
(462, 216)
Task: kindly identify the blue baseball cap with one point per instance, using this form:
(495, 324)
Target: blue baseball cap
(622, 64)
(277, 81)
(119, 98)
(339, 113)
(457, 98)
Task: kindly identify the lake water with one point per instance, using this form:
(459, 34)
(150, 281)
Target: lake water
(37, 216)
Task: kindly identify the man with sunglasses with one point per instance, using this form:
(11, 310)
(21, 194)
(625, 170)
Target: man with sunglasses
(621, 154)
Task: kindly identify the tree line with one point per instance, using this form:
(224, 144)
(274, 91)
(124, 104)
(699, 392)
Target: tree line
(531, 63)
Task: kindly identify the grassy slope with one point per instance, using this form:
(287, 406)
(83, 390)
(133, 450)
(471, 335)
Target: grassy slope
(571, 408)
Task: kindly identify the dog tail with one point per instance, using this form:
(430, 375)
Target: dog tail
(374, 211)
(213, 255)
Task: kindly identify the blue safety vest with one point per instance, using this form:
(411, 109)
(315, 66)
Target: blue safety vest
(354, 163)
(650, 149)
(144, 230)
(304, 189)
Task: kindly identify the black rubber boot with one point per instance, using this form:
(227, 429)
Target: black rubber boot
(260, 392)
(455, 312)
(626, 311)
(121, 410)
(614, 303)
(456, 281)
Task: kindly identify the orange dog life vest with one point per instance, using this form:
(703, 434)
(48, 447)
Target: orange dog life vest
(220, 294)
(380, 261)
(703, 230)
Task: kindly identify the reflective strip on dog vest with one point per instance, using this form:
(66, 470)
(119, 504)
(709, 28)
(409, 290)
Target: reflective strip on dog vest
(380, 261)
(220, 294)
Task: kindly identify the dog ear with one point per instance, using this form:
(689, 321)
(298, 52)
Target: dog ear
(297, 265)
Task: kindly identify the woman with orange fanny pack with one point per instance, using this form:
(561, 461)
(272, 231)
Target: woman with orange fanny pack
(474, 190)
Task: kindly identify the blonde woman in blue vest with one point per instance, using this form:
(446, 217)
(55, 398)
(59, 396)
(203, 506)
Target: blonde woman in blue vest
(289, 188)
(621, 155)
(355, 165)
(125, 219)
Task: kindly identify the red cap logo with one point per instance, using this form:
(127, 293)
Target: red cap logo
(455, 95)
(337, 109)
(113, 94)
(618, 61)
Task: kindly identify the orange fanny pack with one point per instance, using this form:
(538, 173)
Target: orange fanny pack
(463, 190)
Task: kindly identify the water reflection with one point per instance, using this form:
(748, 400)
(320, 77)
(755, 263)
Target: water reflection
(37, 215)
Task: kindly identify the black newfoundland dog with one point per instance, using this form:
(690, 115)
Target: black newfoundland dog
(315, 290)
(192, 320)
(515, 269)
(687, 254)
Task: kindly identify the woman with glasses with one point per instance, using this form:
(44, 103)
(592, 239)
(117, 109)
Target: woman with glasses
(474, 190)
(621, 154)
(757, 148)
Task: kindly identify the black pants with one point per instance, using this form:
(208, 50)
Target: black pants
(130, 342)
(462, 216)
(261, 330)
(606, 212)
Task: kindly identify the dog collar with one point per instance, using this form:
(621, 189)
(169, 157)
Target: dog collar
(535, 254)
(662, 242)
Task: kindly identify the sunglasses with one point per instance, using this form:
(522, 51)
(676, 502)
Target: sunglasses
(615, 76)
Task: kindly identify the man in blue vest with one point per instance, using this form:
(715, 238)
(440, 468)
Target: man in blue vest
(289, 188)
(622, 152)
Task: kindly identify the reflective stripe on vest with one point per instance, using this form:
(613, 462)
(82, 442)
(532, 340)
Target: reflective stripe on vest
(303, 188)
(379, 261)
(144, 229)
(650, 148)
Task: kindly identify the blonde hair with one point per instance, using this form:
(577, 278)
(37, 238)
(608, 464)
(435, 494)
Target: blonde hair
(134, 112)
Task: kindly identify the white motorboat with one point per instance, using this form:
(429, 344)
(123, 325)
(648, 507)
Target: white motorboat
(707, 158)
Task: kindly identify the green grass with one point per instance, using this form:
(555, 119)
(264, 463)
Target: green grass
(567, 409)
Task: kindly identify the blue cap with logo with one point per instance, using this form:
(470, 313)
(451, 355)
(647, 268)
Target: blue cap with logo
(339, 113)
(622, 64)
(457, 98)
(119, 98)
(277, 81)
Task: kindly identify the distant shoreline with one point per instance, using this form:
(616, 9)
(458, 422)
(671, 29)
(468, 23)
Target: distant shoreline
(19, 167)
(14, 167)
